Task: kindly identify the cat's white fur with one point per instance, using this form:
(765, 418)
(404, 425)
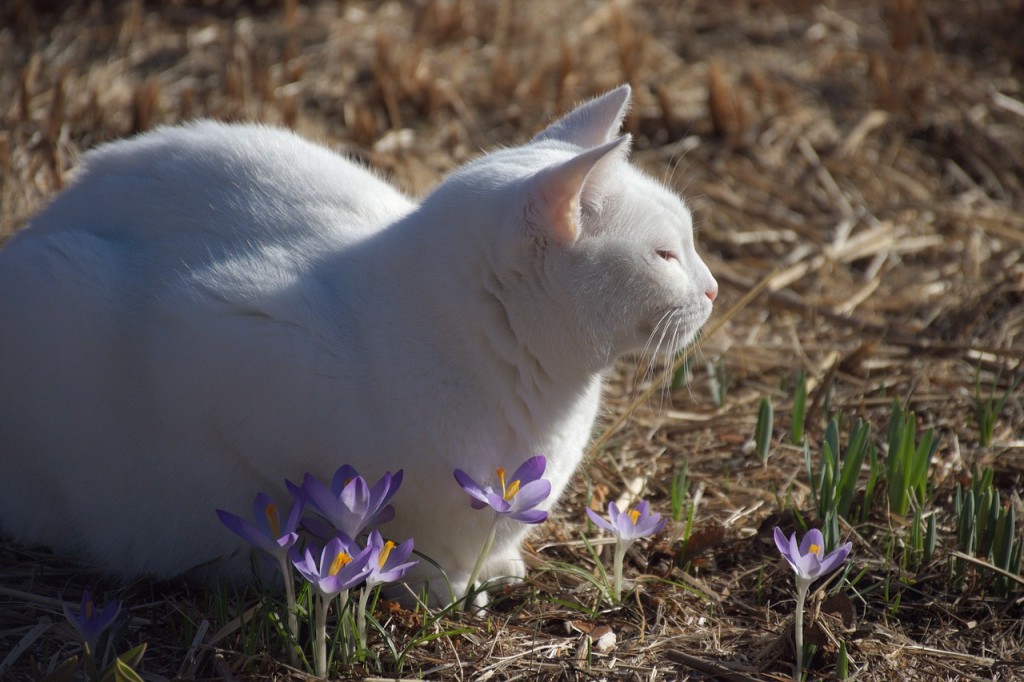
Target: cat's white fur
(211, 309)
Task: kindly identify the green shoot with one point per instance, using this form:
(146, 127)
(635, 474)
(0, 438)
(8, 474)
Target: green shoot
(677, 491)
(681, 376)
(907, 462)
(987, 529)
(718, 381)
(988, 409)
(763, 434)
(836, 482)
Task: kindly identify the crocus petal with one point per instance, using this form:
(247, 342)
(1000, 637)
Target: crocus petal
(317, 528)
(470, 486)
(530, 470)
(386, 487)
(782, 542)
(834, 559)
(395, 573)
(341, 477)
(395, 564)
(649, 525)
(530, 516)
(296, 490)
(624, 527)
(235, 524)
(286, 541)
(354, 505)
(247, 531)
(813, 538)
(294, 515)
(794, 550)
(320, 498)
(304, 564)
(381, 517)
(808, 566)
(532, 494)
(400, 552)
(599, 521)
(497, 502)
(259, 512)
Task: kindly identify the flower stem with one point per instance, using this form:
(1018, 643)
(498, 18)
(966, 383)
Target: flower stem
(320, 643)
(617, 561)
(361, 615)
(293, 621)
(90, 662)
(484, 551)
(798, 628)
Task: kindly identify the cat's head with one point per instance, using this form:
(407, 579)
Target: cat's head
(591, 257)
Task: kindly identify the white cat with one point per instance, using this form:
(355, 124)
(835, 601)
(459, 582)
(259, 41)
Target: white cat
(211, 309)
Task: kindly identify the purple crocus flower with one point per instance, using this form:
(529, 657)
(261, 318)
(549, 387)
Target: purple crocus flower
(269, 532)
(516, 499)
(631, 524)
(342, 566)
(808, 559)
(518, 494)
(88, 623)
(627, 526)
(386, 565)
(809, 562)
(387, 560)
(350, 505)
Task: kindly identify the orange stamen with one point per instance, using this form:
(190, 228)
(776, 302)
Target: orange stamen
(633, 515)
(511, 491)
(339, 562)
(274, 519)
(507, 491)
(816, 549)
(384, 552)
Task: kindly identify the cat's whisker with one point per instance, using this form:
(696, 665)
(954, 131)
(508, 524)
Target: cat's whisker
(670, 331)
(667, 325)
(677, 330)
(648, 356)
(697, 350)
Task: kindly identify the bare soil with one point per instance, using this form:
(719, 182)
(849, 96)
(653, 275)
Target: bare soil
(858, 165)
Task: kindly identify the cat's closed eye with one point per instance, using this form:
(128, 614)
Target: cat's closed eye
(667, 255)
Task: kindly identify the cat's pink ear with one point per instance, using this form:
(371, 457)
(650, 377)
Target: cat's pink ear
(592, 123)
(553, 207)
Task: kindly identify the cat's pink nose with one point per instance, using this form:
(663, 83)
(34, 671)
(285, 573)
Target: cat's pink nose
(712, 292)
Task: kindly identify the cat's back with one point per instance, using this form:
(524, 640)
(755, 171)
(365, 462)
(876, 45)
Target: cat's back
(212, 182)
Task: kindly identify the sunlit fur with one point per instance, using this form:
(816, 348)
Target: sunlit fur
(211, 309)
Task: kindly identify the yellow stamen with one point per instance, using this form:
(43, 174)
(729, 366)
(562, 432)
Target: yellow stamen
(384, 552)
(816, 549)
(339, 562)
(634, 515)
(507, 491)
(511, 491)
(273, 519)
(88, 609)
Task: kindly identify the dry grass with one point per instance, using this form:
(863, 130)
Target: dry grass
(867, 158)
